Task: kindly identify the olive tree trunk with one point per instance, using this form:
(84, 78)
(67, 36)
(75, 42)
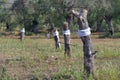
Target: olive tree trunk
(86, 40)
(88, 55)
(108, 20)
(99, 25)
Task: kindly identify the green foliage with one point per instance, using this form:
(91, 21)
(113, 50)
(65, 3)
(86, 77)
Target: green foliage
(3, 12)
(22, 13)
(29, 33)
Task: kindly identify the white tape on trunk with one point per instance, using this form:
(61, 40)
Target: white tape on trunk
(84, 32)
(66, 32)
(56, 33)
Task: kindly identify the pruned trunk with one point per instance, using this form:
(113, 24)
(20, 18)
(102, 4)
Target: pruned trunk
(108, 20)
(86, 40)
(22, 35)
(88, 56)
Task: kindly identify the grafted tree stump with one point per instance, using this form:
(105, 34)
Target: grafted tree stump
(22, 34)
(84, 33)
(88, 55)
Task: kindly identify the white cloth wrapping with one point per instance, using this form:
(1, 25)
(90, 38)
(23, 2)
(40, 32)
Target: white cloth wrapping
(66, 32)
(84, 32)
(23, 30)
(56, 33)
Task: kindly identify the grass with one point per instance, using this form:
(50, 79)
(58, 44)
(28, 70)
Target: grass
(37, 59)
(108, 35)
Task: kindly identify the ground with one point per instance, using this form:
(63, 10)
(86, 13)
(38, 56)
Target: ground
(36, 58)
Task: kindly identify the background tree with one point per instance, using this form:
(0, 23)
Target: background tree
(103, 10)
(5, 17)
(19, 8)
(23, 13)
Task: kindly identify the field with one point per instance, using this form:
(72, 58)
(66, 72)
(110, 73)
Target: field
(37, 59)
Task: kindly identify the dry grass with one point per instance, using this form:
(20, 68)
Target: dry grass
(38, 59)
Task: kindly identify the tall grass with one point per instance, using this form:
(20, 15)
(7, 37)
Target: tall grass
(38, 59)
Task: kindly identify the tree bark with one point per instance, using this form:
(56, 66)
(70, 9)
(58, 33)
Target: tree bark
(99, 25)
(22, 35)
(88, 56)
(86, 40)
(7, 26)
(108, 20)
